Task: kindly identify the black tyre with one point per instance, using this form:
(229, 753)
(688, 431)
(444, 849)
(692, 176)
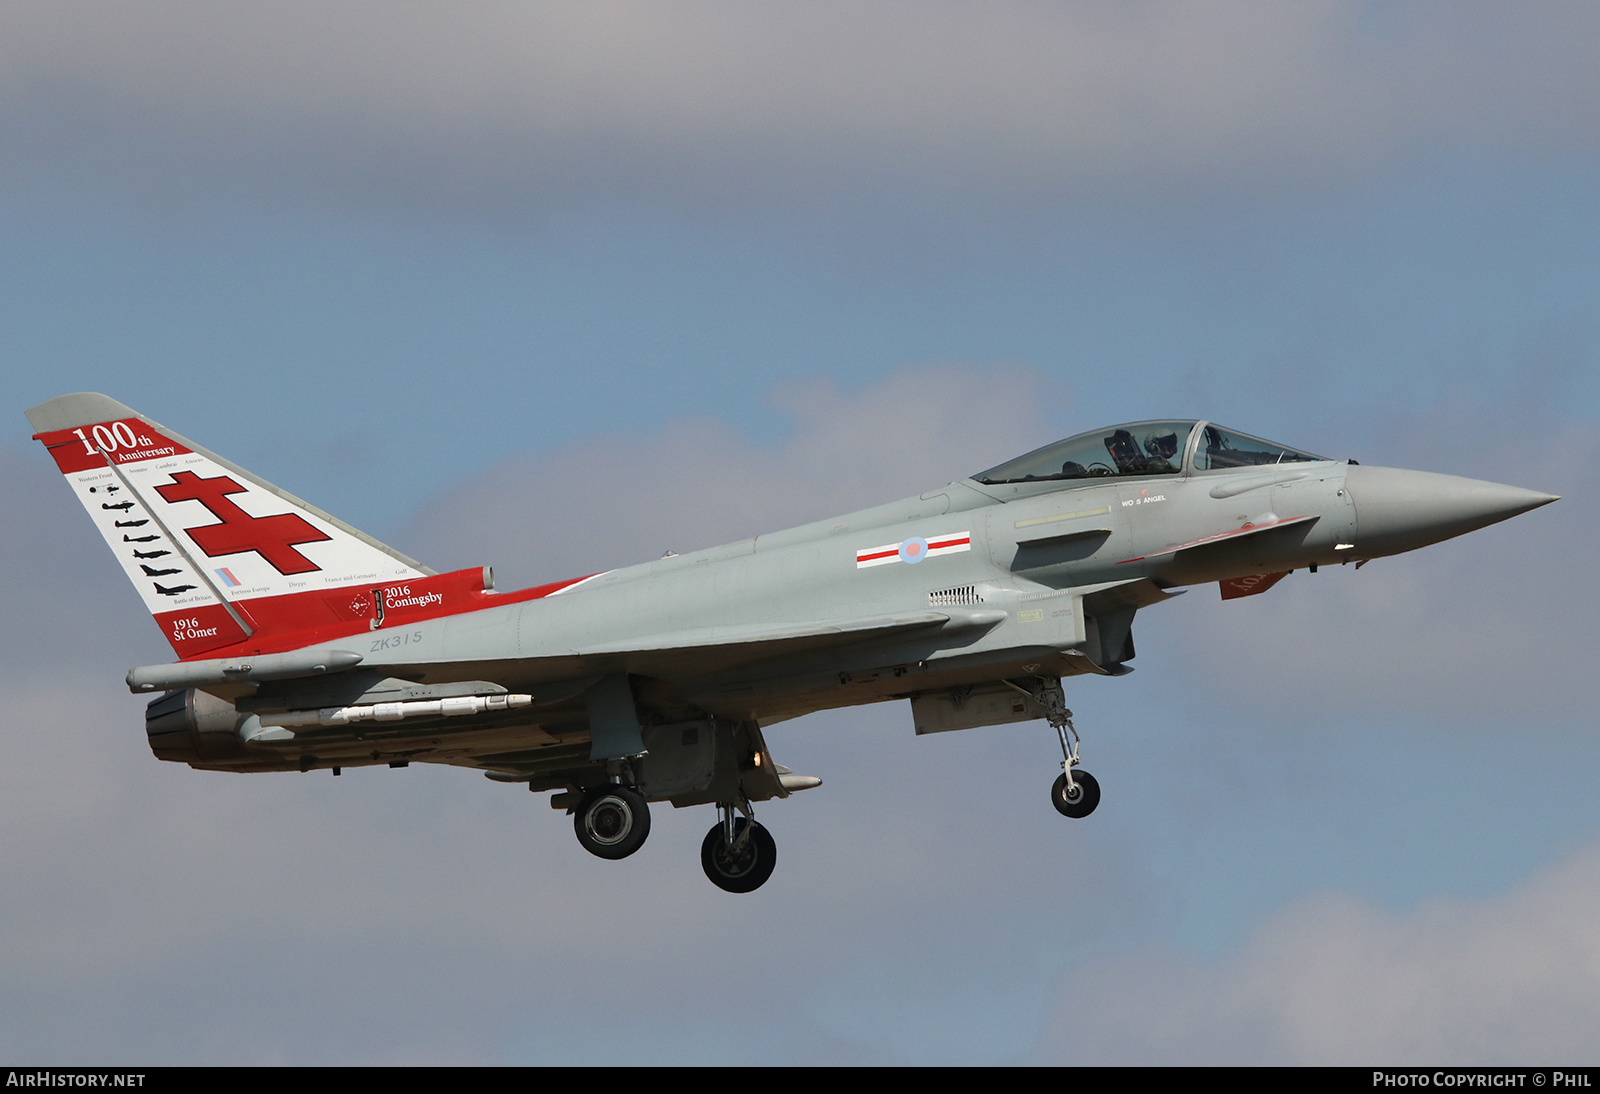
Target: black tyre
(1083, 798)
(612, 821)
(743, 870)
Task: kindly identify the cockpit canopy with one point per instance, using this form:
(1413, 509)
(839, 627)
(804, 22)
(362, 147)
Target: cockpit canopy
(1142, 449)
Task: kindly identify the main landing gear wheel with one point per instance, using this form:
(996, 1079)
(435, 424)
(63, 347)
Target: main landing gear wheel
(1077, 800)
(612, 821)
(744, 865)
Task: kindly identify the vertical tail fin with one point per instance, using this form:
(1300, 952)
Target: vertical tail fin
(219, 555)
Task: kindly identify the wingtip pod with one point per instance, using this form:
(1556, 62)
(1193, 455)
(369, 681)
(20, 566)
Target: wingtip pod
(218, 555)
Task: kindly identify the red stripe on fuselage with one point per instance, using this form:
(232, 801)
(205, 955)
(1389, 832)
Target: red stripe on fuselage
(296, 620)
(933, 545)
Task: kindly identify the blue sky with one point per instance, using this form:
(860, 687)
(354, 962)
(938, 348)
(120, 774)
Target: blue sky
(1449, 280)
(559, 288)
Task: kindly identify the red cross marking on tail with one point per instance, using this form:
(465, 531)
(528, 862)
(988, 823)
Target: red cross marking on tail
(273, 538)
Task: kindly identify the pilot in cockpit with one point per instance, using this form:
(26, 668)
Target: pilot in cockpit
(1162, 446)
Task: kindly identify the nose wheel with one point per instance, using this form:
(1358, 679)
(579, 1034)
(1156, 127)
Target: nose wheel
(612, 821)
(1076, 798)
(1075, 793)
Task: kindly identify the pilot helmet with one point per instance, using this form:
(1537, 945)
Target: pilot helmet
(1161, 445)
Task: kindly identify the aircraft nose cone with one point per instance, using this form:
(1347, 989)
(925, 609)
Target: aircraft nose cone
(1402, 510)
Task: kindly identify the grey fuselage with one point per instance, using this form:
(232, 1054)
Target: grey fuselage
(990, 583)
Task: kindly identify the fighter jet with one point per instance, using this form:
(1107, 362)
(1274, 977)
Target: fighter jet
(304, 644)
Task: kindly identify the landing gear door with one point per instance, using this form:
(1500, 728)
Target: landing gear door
(968, 707)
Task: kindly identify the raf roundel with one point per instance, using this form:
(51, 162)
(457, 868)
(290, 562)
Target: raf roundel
(914, 550)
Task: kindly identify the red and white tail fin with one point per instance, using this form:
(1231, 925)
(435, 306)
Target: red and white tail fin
(219, 555)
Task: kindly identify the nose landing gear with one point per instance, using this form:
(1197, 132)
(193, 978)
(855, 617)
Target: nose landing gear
(1075, 793)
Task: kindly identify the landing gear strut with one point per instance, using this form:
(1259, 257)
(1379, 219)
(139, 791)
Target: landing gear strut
(1075, 793)
(612, 821)
(738, 854)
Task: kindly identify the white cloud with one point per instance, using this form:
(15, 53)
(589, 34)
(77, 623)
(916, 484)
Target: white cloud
(1511, 979)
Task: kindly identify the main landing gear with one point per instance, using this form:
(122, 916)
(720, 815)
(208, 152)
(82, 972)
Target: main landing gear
(612, 821)
(738, 854)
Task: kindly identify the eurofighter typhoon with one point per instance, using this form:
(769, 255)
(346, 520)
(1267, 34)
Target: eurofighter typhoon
(303, 644)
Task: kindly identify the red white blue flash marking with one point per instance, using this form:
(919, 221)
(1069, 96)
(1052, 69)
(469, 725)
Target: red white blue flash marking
(914, 550)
